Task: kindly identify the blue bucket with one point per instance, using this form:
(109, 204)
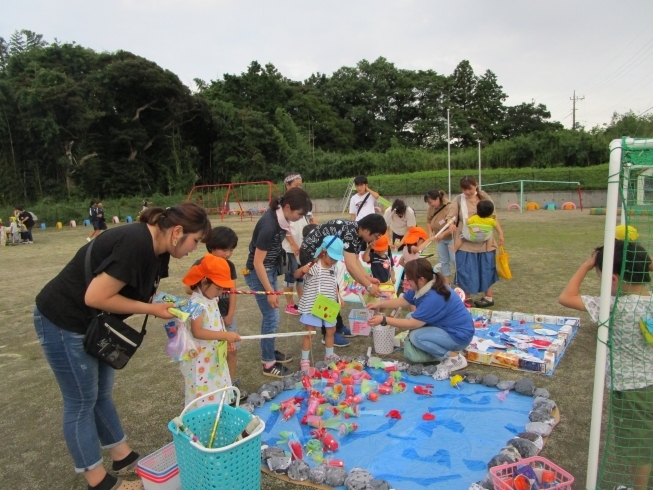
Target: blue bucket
(43, 226)
(128, 219)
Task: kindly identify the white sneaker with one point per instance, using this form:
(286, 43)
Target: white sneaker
(88, 239)
(455, 363)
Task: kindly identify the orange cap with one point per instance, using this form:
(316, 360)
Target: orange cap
(381, 245)
(414, 234)
(215, 269)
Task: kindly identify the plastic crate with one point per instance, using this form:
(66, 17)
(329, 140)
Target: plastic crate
(502, 475)
(159, 470)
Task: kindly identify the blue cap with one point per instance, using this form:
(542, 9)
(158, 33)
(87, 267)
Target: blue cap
(334, 247)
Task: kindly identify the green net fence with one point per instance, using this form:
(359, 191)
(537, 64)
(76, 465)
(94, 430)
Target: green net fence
(628, 446)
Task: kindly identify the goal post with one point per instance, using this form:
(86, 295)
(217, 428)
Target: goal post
(631, 162)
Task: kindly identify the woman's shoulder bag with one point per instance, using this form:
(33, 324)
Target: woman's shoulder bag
(109, 338)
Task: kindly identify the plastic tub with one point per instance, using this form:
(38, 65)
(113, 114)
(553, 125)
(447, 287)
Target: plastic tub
(159, 470)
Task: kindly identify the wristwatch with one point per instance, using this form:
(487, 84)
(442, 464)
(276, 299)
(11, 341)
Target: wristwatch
(384, 322)
(368, 288)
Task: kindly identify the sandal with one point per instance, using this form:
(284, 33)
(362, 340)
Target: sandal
(484, 302)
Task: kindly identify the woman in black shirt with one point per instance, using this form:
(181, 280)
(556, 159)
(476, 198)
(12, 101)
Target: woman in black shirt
(127, 263)
(264, 252)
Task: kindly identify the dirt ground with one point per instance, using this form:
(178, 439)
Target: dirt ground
(545, 249)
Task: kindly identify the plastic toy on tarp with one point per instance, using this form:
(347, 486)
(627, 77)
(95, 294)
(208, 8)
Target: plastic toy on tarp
(433, 437)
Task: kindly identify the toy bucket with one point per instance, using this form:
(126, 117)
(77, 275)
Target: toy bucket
(384, 338)
(230, 464)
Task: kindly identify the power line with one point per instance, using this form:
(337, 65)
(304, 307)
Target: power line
(645, 28)
(625, 68)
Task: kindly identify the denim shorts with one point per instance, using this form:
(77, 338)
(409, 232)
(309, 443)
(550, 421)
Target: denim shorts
(289, 278)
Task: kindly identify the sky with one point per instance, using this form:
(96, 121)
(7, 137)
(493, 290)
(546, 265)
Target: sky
(541, 50)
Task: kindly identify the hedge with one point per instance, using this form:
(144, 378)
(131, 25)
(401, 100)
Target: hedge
(591, 178)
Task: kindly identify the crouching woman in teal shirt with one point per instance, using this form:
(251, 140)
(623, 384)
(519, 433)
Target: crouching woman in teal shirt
(440, 324)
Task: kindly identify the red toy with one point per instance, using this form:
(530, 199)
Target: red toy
(420, 390)
(328, 441)
(394, 414)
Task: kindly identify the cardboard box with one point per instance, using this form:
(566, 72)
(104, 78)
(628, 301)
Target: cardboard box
(550, 360)
(506, 359)
(566, 329)
(498, 316)
(532, 365)
(474, 355)
(476, 312)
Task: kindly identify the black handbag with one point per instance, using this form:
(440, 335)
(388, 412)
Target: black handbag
(109, 338)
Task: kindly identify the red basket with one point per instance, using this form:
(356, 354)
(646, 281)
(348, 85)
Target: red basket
(502, 475)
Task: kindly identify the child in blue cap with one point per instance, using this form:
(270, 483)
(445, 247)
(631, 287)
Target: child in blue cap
(320, 279)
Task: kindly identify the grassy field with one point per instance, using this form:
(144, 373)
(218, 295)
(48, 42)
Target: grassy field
(545, 248)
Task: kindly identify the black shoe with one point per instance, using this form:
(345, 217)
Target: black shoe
(282, 358)
(484, 302)
(277, 371)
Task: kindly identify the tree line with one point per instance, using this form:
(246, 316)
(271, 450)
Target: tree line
(77, 123)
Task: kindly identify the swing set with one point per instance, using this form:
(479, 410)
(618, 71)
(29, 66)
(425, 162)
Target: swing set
(234, 199)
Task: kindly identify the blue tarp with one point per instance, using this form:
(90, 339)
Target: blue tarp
(451, 452)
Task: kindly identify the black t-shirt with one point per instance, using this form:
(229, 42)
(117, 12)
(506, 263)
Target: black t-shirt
(223, 301)
(268, 236)
(346, 230)
(25, 214)
(381, 267)
(125, 253)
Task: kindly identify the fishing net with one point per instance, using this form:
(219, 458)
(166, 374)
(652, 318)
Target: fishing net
(628, 447)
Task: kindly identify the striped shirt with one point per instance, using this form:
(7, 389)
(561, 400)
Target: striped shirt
(318, 280)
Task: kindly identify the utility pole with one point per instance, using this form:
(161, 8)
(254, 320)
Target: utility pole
(573, 110)
(448, 154)
(479, 163)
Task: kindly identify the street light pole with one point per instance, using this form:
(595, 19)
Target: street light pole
(449, 153)
(479, 163)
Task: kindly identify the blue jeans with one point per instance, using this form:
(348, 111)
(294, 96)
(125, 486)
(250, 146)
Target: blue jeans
(270, 322)
(90, 419)
(435, 341)
(446, 256)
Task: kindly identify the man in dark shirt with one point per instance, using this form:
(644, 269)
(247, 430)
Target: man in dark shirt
(355, 235)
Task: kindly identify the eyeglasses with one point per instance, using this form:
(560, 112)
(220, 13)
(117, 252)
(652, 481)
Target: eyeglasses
(376, 236)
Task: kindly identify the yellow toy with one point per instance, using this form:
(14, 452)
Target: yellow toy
(456, 380)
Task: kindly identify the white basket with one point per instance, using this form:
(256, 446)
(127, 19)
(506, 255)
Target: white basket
(384, 340)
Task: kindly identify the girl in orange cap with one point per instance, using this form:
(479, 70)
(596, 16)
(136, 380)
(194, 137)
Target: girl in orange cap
(209, 370)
